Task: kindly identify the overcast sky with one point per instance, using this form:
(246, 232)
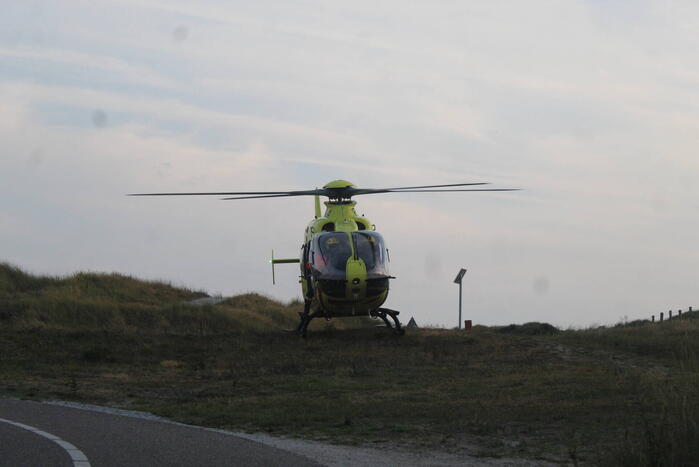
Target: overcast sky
(591, 106)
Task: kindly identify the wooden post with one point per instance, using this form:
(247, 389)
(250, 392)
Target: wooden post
(669, 314)
(690, 309)
(661, 316)
(679, 313)
(652, 319)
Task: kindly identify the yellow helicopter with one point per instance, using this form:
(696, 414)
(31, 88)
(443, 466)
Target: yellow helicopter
(343, 260)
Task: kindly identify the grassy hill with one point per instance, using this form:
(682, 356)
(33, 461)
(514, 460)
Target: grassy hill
(623, 395)
(120, 304)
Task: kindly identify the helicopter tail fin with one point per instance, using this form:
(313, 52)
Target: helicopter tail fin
(274, 261)
(317, 201)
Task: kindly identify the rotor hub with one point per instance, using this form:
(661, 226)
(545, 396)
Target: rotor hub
(339, 184)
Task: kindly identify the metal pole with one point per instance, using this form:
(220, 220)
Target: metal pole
(458, 280)
(459, 305)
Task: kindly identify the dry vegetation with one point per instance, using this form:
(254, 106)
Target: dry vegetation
(625, 395)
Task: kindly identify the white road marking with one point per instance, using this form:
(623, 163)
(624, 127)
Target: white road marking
(78, 457)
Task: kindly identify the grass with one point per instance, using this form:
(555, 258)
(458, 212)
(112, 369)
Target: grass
(623, 395)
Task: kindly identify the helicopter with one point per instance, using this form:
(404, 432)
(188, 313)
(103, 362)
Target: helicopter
(344, 262)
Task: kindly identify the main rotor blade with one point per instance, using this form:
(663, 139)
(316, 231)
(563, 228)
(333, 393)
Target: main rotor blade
(350, 191)
(368, 191)
(465, 189)
(225, 193)
(288, 195)
(434, 186)
(333, 193)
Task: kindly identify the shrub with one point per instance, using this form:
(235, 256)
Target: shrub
(530, 329)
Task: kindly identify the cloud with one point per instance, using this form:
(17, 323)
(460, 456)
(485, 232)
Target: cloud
(121, 69)
(578, 103)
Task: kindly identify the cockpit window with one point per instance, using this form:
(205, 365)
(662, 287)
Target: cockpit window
(369, 246)
(334, 249)
(331, 250)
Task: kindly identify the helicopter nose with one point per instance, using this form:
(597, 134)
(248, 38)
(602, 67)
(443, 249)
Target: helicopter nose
(356, 279)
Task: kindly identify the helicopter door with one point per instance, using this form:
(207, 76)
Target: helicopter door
(304, 259)
(306, 269)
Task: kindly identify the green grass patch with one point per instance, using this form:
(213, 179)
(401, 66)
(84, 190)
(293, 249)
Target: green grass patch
(624, 395)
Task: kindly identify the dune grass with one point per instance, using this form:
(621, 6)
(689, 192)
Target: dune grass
(624, 395)
(119, 304)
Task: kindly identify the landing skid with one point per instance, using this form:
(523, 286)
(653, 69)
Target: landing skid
(384, 314)
(307, 316)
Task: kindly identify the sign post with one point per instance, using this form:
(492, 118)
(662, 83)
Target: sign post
(458, 280)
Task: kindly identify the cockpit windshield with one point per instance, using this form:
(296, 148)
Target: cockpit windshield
(333, 251)
(369, 246)
(330, 252)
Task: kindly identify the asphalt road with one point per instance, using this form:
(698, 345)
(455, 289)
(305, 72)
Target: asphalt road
(37, 434)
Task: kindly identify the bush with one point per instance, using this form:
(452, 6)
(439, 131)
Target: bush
(669, 437)
(529, 329)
